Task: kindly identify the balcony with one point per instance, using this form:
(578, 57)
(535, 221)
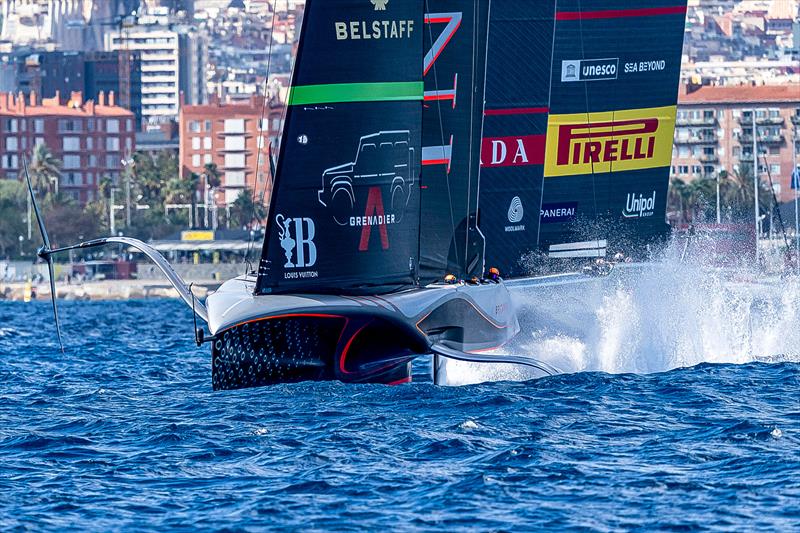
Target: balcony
(708, 158)
(746, 157)
(697, 140)
(693, 121)
(796, 120)
(746, 120)
(770, 139)
(771, 121)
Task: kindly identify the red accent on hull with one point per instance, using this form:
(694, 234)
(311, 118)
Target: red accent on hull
(347, 347)
(400, 381)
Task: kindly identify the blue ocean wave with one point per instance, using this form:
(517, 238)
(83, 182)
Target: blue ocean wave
(124, 432)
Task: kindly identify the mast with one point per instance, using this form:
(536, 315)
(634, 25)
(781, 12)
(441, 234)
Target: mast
(755, 182)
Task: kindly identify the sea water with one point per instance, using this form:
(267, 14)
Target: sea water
(674, 418)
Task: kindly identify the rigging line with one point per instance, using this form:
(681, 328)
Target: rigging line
(547, 125)
(471, 132)
(480, 137)
(441, 132)
(260, 143)
(588, 118)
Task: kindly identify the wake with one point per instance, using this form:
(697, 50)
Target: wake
(653, 317)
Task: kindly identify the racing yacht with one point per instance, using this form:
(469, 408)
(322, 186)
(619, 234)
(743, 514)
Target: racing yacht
(419, 160)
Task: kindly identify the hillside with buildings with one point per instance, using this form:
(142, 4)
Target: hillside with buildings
(197, 86)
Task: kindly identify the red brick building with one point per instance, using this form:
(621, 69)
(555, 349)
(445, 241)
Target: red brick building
(231, 135)
(91, 139)
(714, 132)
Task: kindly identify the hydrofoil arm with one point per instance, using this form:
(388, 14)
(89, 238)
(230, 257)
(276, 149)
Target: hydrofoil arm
(160, 261)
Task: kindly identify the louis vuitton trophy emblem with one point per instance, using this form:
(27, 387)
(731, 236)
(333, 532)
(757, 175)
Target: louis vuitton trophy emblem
(285, 237)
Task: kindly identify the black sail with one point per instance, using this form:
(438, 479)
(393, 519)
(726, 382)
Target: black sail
(514, 130)
(344, 212)
(455, 68)
(615, 72)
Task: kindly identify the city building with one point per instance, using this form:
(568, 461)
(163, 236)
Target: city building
(91, 139)
(173, 61)
(109, 72)
(714, 132)
(233, 136)
(46, 73)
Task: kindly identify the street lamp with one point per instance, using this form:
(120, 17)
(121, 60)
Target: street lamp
(21, 238)
(128, 165)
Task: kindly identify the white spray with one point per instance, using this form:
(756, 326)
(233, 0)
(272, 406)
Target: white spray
(651, 318)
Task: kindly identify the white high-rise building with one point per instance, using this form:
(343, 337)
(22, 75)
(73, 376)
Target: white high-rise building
(172, 61)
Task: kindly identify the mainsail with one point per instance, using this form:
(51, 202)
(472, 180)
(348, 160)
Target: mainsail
(514, 131)
(344, 212)
(615, 72)
(455, 68)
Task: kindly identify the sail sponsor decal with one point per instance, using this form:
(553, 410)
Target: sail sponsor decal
(639, 205)
(374, 29)
(651, 65)
(512, 151)
(610, 141)
(516, 213)
(296, 237)
(385, 164)
(558, 212)
(589, 69)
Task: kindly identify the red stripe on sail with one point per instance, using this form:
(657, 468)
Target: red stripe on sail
(621, 13)
(517, 111)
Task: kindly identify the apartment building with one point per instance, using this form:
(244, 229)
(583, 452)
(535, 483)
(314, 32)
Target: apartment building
(715, 127)
(232, 135)
(90, 138)
(173, 61)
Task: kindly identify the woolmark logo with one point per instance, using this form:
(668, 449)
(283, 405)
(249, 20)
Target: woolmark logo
(515, 215)
(639, 206)
(610, 141)
(589, 69)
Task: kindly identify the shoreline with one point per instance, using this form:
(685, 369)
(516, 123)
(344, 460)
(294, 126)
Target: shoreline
(127, 289)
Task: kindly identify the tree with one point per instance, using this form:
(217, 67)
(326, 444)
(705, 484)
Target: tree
(44, 170)
(13, 203)
(244, 210)
(212, 175)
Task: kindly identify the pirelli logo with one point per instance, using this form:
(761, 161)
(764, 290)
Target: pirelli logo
(612, 141)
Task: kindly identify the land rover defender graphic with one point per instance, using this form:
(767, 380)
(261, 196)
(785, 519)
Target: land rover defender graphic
(383, 159)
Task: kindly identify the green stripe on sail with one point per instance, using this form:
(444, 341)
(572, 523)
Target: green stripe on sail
(355, 92)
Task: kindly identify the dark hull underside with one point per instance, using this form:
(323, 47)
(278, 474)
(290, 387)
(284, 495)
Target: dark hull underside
(312, 347)
(351, 339)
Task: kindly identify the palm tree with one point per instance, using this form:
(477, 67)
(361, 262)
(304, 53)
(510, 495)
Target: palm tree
(211, 179)
(45, 170)
(678, 198)
(212, 175)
